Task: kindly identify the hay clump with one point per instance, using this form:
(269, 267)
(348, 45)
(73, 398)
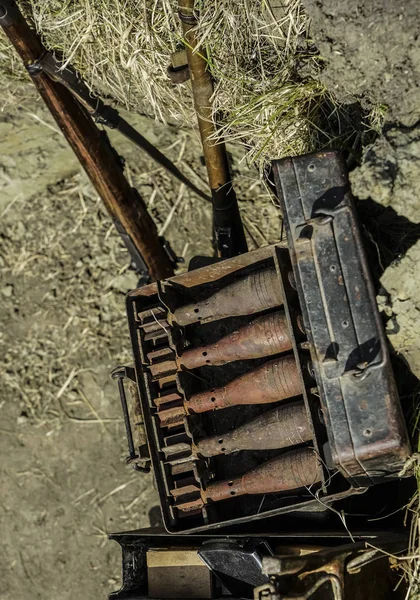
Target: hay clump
(265, 65)
(409, 564)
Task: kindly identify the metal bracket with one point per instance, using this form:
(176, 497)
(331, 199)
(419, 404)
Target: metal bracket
(137, 261)
(270, 592)
(190, 19)
(103, 113)
(175, 260)
(178, 71)
(121, 373)
(224, 242)
(178, 75)
(67, 76)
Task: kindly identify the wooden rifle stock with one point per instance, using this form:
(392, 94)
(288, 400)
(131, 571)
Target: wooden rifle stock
(91, 147)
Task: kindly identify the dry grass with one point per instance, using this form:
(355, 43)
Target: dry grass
(410, 564)
(263, 60)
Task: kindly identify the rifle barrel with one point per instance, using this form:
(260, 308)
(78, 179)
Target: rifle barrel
(227, 224)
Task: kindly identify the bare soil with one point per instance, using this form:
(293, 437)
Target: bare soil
(372, 55)
(401, 280)
(371, 52)
(390, 171)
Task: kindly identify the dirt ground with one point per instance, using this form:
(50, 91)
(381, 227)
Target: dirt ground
(62, 329)
(372, 55)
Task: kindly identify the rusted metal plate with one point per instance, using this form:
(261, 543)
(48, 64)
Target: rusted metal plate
(210, 273)
(177, 573)
(360, 405)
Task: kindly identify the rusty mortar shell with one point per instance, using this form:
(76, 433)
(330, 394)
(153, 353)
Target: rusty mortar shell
(291, 471)
(252, 294)
(265, 336)
(281, 427)
(273, 381)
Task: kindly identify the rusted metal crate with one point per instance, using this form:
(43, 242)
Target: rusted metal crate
(343, 407)
(154, 340)
(366, 430)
